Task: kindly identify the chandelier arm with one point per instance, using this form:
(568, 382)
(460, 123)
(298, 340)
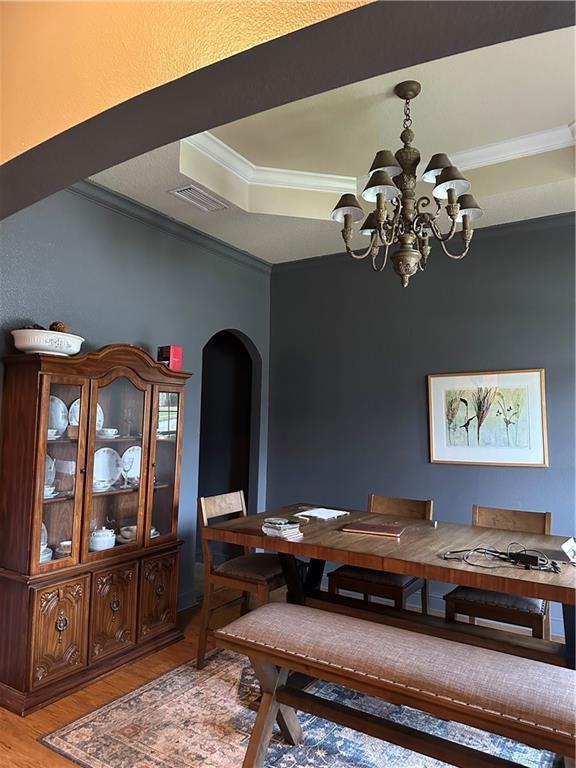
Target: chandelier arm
(382, 234)
(456, 256)
(423, 202)
(375, 267)
(363, 255)
(439, 236)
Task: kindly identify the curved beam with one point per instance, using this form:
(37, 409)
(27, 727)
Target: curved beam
(332, 53)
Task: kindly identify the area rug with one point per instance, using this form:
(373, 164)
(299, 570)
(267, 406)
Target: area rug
(203, 719)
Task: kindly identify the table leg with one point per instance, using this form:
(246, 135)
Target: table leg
(293, 579)
(569, 616)
(314, 575)
(298, 588)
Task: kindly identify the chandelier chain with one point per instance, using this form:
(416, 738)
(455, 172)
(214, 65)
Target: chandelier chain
(407, 119)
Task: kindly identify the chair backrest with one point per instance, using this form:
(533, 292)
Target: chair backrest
(211, 507)
(511, 519)
(415, 508)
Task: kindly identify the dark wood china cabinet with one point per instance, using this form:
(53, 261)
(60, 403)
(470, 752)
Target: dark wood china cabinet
(90, 471)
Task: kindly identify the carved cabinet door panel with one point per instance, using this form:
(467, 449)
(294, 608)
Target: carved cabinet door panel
(114, 603)
(60, 630)
(158, 595)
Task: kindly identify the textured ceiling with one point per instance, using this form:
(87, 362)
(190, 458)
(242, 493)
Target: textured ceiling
(468, 101)
(63, 62)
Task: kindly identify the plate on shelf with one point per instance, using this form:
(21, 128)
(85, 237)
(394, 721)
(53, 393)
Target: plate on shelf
(49, 471)
(45, 555)
(57, 415)
(131, 459)
(107, 468)
(74, 414)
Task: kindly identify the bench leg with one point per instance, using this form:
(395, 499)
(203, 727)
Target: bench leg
(262, 732)
(270, 711)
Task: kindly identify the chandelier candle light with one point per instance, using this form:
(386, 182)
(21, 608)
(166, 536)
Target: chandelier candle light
(400, 218)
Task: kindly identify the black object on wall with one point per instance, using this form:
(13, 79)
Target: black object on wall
(225, 416)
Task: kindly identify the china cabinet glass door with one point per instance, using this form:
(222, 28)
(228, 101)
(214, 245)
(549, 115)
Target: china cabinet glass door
(164, 479)
(117, 465)
(59, 491)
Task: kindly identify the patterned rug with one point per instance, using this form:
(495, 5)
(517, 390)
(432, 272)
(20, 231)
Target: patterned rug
(202, 719)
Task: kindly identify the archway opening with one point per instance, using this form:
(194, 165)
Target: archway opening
(229, 421)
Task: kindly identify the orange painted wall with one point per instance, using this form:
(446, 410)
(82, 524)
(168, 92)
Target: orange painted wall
(63, 62)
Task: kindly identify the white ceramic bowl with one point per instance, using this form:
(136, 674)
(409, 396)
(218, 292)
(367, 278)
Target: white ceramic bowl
(30, 340)
(104, 538)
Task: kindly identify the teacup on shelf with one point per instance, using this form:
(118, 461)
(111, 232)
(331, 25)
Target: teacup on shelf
(108, 432)
(53, 434)
(129, 532)
(65, 547)
(100, 485)
(49, 491)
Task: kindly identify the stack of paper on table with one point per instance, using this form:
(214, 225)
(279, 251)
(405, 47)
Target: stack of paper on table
(321, 513)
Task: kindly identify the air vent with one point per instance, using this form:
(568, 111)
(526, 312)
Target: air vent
(198, 198)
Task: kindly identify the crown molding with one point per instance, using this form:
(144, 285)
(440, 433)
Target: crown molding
(262, 176)
(537, 143)
(147, 216)
(514, 149)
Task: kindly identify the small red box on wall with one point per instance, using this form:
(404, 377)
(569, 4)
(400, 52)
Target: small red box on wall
(171, 356)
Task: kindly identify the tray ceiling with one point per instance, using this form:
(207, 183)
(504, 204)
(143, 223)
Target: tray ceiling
(505, 112)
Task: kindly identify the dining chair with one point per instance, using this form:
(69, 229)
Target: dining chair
(251, 573)
(519, 611)
(372, 583)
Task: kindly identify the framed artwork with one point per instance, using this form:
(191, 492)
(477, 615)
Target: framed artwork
(496, 418)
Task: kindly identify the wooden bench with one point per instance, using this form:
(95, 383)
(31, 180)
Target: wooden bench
(521, 699)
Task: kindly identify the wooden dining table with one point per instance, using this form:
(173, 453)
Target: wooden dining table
(419, 551)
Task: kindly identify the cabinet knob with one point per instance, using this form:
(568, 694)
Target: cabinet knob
(82, 470)
(61, 625)
(115, 606)
(160, 589)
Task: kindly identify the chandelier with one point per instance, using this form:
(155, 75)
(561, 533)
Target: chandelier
(399, 217)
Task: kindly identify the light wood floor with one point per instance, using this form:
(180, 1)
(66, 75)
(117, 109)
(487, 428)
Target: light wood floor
(19, 747)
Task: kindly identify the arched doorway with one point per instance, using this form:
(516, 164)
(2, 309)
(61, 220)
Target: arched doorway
(229, 419)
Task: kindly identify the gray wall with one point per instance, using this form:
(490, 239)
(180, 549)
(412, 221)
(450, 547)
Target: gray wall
(350, 351)
(118, 273)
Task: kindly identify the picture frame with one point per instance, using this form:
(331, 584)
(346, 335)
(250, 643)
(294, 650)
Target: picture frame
(488, 418)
